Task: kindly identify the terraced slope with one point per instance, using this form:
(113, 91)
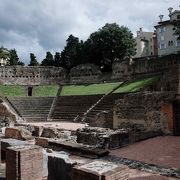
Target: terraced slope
(92, 89)
(32, 108)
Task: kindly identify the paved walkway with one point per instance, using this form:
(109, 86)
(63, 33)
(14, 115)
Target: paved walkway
(61, 125)
(163, 151)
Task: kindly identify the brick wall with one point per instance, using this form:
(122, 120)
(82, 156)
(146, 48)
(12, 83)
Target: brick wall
(24, 163)
(41, 141)
(144, 112)
(167, 109)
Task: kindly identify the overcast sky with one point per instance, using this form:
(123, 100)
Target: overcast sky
(44, 25)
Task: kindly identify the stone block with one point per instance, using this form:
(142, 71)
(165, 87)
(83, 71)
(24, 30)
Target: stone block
(99, 170)
(41, 142)
(24, 162)
(5, 143)
(103, 137)
(18, 133)
(49, 132)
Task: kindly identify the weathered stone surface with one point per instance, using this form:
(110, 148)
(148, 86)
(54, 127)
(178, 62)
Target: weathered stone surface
(5, 143)
(18, 133)
(165, 171)
(60, 164)
(103, 137)
(99, 170)
(85, 73)
(27, 75)
(102, 119)
(49, 133)
(42, 142)
(142, 111)
(24, 162)
(7, 116)
(78, 148)
(167, 67)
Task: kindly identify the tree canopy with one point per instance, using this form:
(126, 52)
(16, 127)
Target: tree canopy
(4, 53)
(33, 60)
(57, 59)
(70, 54)
(49, 60)
(14, 59)
(110, 43)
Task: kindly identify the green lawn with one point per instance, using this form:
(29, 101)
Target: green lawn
(89, 89)
(12, 90)
(136, 85)
(44, 91)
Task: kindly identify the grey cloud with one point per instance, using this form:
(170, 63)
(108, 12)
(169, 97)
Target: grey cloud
(41, 25)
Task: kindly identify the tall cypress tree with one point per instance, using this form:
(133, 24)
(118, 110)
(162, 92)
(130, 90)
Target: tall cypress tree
(33, 60)
(57, 59)
(49, 60)
(14, 59)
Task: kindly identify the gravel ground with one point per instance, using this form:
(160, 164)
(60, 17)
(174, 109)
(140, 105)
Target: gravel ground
(163, 151)
(139, 175)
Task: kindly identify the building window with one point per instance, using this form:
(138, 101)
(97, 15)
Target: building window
(178, 16)
(178, 43)
(170, 43)
(162, 46)
(162, 29)
(162, 38)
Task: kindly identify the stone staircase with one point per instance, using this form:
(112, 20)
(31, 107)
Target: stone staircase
(69, 108)
(32, 108)
(106, 106)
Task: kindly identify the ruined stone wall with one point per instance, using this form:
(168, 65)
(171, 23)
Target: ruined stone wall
(122, 70)
(19, 75)
(166, 67)
(144, 112)
(85, 73)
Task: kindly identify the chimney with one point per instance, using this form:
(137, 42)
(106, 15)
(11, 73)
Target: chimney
(170, 10)
(138, 34)
(161, 17)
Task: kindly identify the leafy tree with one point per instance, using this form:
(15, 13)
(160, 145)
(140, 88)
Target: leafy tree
(14, 59)
(4, 53)
(110, 43)
(57, 59)
(49, 60)
(70, 54)
(33, 60)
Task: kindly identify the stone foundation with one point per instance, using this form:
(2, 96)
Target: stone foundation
(145, 112)
(24, 162)
(18, 133)
(99, 170)
(103, 137)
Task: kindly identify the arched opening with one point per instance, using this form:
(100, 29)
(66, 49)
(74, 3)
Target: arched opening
(30, 91)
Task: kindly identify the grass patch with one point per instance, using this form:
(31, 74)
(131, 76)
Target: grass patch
(136, 85)
(89, 89)
(12, 90)
(45, 91)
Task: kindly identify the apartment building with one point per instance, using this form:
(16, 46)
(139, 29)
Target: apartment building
(167, 41)
(146, 44)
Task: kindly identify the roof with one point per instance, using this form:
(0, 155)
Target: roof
(163, 23)
(174, 12)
